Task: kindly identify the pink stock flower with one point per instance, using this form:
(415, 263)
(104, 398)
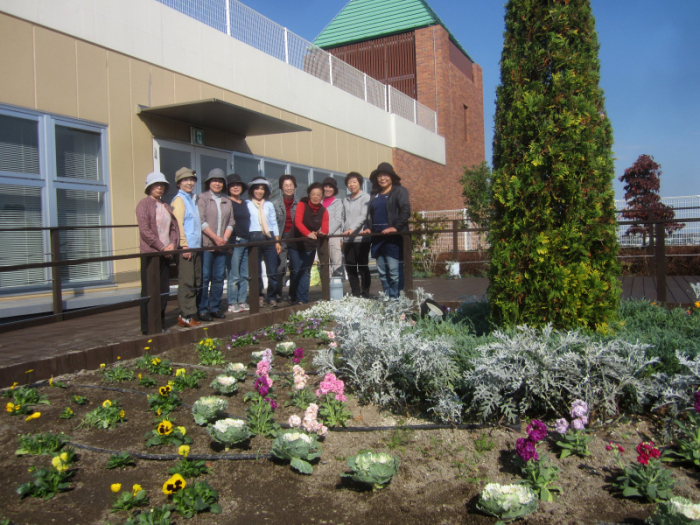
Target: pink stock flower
(294, 421)
(340, 397)
(333, 345)
(561, 425)
(331, 335)
(578, 424)
(262, 369)
(579, 409)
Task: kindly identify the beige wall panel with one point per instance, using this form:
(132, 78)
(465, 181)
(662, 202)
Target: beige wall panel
(256, 145)
(372, 156)
(56, 76)
(343, 156)
(207, 91)
(290, 151)
(353, 155)
(273, 146)
(93, 92)
(168, 129)
(272, 111)
(214, 138)
(331, 143)
(234, 98)
(162, 87)
(234, 143)
(17, 62)
(186, 89)
(304, 146)
(254, 105)
(384, 154)
(140, 74)
(362, 165)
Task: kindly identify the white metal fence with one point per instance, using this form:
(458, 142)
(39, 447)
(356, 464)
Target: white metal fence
(247, 25)
(687, 236)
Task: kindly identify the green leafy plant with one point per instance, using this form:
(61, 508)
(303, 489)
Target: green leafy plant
(67, 413)
(477, 194)
(155, 516)
(286, 349)
(117, 374)
(301, 398)
(127, 501)
(80, 400)
(574, 443)
(229, 431)
(507, 502)
(146, 381)
(121, 460)
(24, 399)
(483, 443)
(553, 241)
(185, 380)
(297, 447)
(196, 499)
(687, 438)
(676, 511)
(109, 415)
(224, 384)
(209, 353)
(645, 479)
(237, 370)
(374, 469)
(189, 468)
(243, 339)
(164, 402)
(399, 439)
(207, 409)
(46, 483)
(166, 433)
(260, 415)
(334, 412)
(155, 365)
(48, 443)
(536, 470)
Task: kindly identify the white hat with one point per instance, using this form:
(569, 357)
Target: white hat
(154, 178)
(260, 180)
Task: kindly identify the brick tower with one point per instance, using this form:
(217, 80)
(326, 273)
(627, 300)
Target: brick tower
(404, 44)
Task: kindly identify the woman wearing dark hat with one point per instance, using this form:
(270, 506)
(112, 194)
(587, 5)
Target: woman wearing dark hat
(389, 212)
(189, 267)
(335, 223)
(356, 250)
(158, 232)
(238, 262)
(285, 206)
(310, 221)
(216, 216)
(263, 227)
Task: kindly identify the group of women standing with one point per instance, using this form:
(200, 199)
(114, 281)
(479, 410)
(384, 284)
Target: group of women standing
(220, 217)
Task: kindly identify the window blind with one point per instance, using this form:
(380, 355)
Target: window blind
(78, 154)
(19, 145)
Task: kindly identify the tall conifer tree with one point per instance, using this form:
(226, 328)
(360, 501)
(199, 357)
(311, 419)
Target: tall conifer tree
(553, 240)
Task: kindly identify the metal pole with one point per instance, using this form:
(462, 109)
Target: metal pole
(325, 270)
(155, 325)
(660, 263)
(286, 46)
(56, 274)
(455, 240)
(228, 18)
(408, 265)
(253, 286)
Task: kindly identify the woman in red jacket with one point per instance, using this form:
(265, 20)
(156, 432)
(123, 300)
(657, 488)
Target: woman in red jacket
(310, 221)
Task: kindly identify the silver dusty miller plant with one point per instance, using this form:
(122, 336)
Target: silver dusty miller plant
(545, 370)
(384, 361)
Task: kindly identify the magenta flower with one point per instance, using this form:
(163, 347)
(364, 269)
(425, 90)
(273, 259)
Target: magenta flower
(298, 355)
(536, 430)
(525, 448)
(697, 401)
(272, 402)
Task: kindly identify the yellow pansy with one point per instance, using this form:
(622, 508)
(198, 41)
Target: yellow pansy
(10, 407)
(119, 357)
(150, 340)
(177, 482)
(29, 371)
(697, 304)
(182, 430)
(158, 412)
(115, 487)
(136, 489)
(184, 450)
(165, 427)
(102, 365)
(14, 385)
(107, 403)
(155, 361)
(60, 462)
(51, 381)
(35, 415)
(180, 372)
(122, 414)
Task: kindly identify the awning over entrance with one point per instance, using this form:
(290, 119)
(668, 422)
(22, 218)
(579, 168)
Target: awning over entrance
(223, 116)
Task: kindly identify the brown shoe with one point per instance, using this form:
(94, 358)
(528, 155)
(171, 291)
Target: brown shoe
(187, 322)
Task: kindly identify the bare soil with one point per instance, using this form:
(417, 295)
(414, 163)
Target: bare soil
(438, 482)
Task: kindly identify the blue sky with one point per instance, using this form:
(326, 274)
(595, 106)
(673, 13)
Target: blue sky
(650, 71)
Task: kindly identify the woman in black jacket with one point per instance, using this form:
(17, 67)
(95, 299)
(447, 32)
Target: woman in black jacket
(389, 212)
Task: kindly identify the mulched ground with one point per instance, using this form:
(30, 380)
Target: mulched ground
(438, 482)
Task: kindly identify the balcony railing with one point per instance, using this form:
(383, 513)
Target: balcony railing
(250, 27)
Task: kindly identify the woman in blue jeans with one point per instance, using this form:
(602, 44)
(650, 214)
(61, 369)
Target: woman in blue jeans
(238, 262)
(389, 212)
(263, 227)
(310, 221)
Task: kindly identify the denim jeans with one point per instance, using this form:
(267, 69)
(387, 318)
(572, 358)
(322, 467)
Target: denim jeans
(391, 275)
(213, 272)
(267, 253)
(237, 273)
(301, 274)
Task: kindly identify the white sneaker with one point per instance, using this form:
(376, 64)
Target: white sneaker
(234, 308)
(244, 307)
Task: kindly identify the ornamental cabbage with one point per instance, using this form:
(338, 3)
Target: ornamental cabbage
(225, 384)
(286, 349)
(237, 370)
(229, 431)
(207, 409)
(676, 511)
(507, 502)
(373, 469)
(299, 448)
